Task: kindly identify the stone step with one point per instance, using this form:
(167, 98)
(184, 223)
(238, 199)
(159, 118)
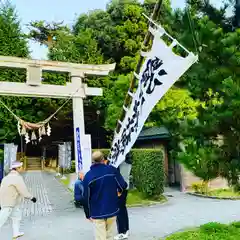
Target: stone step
(30, 165)
(37, 166)
(34, 163)
(34, 159)
(34, 169)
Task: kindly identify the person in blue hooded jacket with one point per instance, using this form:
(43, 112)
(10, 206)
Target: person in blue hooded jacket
(78, 191)
(101, 204)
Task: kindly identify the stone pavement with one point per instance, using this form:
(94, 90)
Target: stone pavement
(37, 187)
(55, 216)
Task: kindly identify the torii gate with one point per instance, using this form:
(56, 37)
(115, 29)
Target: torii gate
(33, 87)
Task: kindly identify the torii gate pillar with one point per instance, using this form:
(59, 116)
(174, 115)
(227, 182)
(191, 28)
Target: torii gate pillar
(82, 142)
(33, 87)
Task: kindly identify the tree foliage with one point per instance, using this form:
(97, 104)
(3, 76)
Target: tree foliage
(215, 81)
(204, 103)
(45, 33)
(14, 43)
(148, 171)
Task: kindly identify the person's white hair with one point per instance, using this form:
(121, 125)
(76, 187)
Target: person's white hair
(97, 157)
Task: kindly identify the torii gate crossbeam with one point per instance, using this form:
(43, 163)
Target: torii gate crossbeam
(33, 87)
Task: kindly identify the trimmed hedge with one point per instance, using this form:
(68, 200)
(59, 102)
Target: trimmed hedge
(147, 171)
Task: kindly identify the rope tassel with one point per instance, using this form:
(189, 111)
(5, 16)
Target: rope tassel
(27, 140)
(43, 130)
(48, 130)
(33, 137)
(24, 131)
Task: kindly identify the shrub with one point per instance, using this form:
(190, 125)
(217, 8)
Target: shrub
(148, 171)
(214, 227)
(71, 169)
(212, 230)
(203, 161)
(200, 187)
(236, 187)
(236, 224)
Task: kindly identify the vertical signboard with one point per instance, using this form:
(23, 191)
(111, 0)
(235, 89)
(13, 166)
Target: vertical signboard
(87, 153)
(68, 157)
(6, 157)
(61, 155)
(10, 155)
(79, 152)
(13, 154)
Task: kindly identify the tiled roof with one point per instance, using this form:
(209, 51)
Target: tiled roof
(154, 133)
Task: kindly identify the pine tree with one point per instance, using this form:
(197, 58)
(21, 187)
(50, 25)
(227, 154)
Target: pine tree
(12, 44)
(11, 37)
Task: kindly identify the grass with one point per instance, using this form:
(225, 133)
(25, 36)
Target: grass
(65, 182)
(135, 198)
(210, 231)
(224, 193)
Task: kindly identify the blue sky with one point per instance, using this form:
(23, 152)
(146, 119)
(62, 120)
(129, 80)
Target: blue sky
(58, 10)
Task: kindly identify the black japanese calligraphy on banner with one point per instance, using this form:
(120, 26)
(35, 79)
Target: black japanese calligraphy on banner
(152, 74)
(150, 80)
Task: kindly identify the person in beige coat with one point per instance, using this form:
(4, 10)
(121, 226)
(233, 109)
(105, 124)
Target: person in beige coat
(12, 191)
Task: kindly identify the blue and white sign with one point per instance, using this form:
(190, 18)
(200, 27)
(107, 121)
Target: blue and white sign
(79, 152)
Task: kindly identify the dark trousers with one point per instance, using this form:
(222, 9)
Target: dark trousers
(122, 218)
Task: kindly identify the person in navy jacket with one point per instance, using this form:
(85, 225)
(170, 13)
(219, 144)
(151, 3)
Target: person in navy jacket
(101, 204)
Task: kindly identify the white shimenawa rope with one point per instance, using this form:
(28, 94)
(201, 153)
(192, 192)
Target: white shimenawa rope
(47, 119)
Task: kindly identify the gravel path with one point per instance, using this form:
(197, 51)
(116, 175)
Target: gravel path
(55, 217)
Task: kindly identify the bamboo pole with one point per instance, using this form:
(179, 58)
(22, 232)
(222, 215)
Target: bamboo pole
(146, 42)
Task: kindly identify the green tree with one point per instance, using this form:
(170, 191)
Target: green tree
(12, 44)
(204, 102)
(115, 101)
(215, 81)
(203, 161)
(120, 30)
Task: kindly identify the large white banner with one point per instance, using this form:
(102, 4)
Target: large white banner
(161, 69)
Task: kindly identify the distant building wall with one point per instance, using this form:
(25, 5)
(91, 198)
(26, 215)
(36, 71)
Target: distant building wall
(188, 178)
